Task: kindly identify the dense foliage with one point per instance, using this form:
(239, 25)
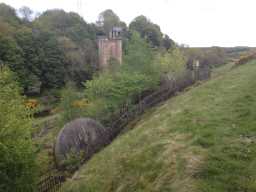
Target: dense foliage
(45, 53)
(151, 32)
(57, 47)
(8, 15)
(17, 162)
(141, 71)
(107, 20)
(214, 56)
(69, 104)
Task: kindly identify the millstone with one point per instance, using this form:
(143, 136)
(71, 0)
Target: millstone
(81, 136)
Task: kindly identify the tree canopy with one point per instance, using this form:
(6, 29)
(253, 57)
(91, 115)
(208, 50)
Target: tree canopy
(151, 32)
(147, 30)
(108, 19)
(8, 14)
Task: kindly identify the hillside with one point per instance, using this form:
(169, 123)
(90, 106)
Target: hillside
(201, 140)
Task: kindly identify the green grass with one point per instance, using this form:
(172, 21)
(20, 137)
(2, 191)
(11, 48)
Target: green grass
(44, 142)
(220, 70)
(202, 140)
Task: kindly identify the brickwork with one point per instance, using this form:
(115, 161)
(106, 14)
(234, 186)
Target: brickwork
(109, 48)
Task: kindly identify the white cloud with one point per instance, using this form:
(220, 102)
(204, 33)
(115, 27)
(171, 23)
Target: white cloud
(193, 22)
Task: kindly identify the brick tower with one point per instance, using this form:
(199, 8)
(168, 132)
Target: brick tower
(110, 47)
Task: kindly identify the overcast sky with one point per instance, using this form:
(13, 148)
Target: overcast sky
(192, 22)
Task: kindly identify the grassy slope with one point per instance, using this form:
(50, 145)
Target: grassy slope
(45, 142)
(202, 140)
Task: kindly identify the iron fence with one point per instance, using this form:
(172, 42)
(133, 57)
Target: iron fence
(51, 183)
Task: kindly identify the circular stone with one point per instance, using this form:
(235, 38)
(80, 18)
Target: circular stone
(81, 136)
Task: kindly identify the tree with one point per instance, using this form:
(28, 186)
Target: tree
(70, 25)
(138, 56)
(31, 61)
(26, 13)
(5, 28)
(213, 56)
(148, 30)
(8, 14)
(78, 59)
(168, 43)
(17, 162)
(171, 61)
(11, 55)
(42, 60)
(76, 39)
(52, 65)
(108, 19)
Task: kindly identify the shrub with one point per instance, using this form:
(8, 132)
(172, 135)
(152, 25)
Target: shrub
(68, 110)
(172, 61)
(107, 93)
(31, 103)
(17, 162)
(80, 104)
(245, 59)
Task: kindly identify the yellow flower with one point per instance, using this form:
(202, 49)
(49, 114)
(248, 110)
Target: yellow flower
(80, 103)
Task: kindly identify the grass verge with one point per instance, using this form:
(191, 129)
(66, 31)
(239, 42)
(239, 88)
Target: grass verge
(202, 140)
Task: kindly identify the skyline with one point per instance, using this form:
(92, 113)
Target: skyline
(197, 23)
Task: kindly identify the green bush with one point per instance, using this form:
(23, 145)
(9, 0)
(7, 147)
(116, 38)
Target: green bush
(171, 61)
(107, 93)
(68, 111)
(17, 162)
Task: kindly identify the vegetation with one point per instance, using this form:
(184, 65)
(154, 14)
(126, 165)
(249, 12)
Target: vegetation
(55, 48)
(107, 20)
(140, 72)
(201, 140)
(17, 162)
(214, 56)
(43, 53)
(151, 32)
(69, 105)
(47, 51)
(246, 58)
(171, 61)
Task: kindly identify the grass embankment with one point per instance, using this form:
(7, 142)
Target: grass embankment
(202, 140)
(45, 131)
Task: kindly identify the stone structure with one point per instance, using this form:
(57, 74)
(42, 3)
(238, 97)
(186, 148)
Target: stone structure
(110, 47)
(82, 138)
